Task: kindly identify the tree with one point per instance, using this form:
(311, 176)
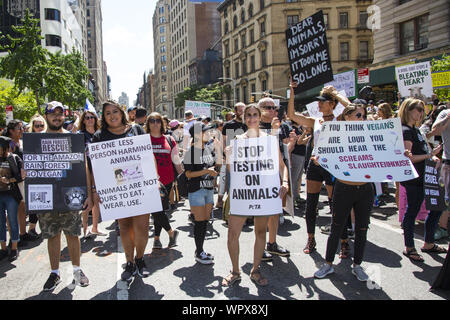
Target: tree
(24, 103)
(441, 65)
(26, 61)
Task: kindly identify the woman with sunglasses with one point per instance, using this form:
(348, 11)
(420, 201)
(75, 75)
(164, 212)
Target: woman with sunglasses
(88, 126)
(315, 174)
(411, 113)
(133, 230)
(347, 196)
(164, 153)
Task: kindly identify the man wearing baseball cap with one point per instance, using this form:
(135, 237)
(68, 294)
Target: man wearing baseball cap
(52, 223)
(132, 113)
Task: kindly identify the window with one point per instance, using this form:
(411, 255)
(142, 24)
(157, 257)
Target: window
(236, 70)
(288, 1)
(89, 23)
(161, 10)
(89, 44)
(253, 88)
(89, 33)
(162, 39)
(242, 16)
(238, 94)
(343, 20)
(363, 16)
(264, 85)
(244, 66)
(414, 34)
(263, 58)
(263, 28)
(244, 93)
(227, 50)
(53, 14)
(344, 46)
(163, 59)
(163, 88)
(261, 5)
(226, 27)
(250, 10)
(243, 44)
(364, 49)
(235, 22)
(163, 49)
(252, 64)
(227, 72)
(163, 69)
(162, 29)
(252, 36)
(292, 20)
(162, 20)
(325, 19)
(52, 40)
(403, 1)
(236, 45)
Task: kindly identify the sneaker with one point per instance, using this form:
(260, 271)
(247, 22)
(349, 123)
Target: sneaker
(266, 256)
(129, 272)
(52, 282)
(22, 242)
(274, 248)
(325, 270)
(173, 240)
(13, 254)
(28, 237)
(204, 258)
(157, 244)
(3, 254)
(141, 268)
(249, 222)
(440, 233)
(34, 234)
(360, 274)
(326, 229)
(80, 278)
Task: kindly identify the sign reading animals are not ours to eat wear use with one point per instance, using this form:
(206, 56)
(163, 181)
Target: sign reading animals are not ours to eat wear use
(364, 151)
(125, 177)
(255, 177)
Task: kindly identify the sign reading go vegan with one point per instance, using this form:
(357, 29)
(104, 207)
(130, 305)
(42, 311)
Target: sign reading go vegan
(364, 151)
(125, 177)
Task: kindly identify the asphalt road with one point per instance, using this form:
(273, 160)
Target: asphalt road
(176, 276)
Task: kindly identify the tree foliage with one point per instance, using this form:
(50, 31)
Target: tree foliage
(442, 64)
(24, 103)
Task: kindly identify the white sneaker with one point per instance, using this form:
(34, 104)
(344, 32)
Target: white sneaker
(205, 258)
(360, 274)
(325, 270)
(80, 278)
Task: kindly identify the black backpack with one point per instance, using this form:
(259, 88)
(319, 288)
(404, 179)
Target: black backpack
(181, 179)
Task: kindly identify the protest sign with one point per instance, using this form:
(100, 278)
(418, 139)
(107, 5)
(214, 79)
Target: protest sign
(441, 79)
(288, 202)
(255, 177)
(125, 176)
(308, 53)
(9, 115)
(198, 108)
(363, 76)
(344, 82)
(414, 80)
(313, 108)
(56, 172)
(433, 190)
(364, 151)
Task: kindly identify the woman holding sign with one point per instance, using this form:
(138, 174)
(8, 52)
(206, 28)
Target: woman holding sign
(411, 113)
(347, 196)
(315, 174)
(252, 118)
(133, 230)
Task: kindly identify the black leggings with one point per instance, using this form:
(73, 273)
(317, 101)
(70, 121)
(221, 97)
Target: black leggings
(346, 197)
(161, 220)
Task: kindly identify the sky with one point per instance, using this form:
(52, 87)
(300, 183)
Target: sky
(127, 44)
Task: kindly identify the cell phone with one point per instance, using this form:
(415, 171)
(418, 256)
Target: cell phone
(281, 112)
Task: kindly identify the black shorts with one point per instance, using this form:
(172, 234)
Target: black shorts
(317, 173)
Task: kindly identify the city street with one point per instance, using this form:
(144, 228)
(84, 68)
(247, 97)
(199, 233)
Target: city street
(176, 276)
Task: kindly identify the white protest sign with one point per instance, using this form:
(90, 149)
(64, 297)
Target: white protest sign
(125, 177)
(313, 108)
(414, 80)
(198, 108)
(364, 151)
(255, 177)
(344, 81)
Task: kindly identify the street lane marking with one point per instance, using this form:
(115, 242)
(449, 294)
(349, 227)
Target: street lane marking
(391, 228)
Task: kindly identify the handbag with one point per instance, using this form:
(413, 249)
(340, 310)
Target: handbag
(182, 185)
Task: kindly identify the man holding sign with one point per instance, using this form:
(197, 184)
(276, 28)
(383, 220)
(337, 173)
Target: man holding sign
(256, 167)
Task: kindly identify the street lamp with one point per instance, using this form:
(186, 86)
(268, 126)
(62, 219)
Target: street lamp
(234, 88)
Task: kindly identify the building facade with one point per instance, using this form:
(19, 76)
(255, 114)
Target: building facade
(124, 100)
(255, 58)
(79, 10)
(409, 31)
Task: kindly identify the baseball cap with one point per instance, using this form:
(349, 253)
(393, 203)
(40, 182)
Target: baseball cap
(199, 127)
(51, 106)
(174, 123)
(325, 97)
(131, 108)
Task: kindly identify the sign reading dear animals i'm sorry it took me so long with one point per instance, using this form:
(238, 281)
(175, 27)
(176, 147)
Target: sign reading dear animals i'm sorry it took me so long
(125, 177)
(309, 57)
(364, 151)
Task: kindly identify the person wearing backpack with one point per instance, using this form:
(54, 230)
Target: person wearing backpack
(166, 155)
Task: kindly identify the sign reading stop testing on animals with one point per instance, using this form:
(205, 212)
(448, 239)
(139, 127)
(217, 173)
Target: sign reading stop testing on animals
(125, 177)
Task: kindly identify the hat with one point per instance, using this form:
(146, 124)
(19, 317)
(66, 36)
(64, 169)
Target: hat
(188, 113)
(325, 97)
(359, 101)
(4, 142)
(199, 127)
(51, 106)
(66, 124)
(174, 123)
(131, 108)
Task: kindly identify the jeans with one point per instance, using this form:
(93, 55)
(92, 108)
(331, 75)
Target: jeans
(415, 196)
(297, 163)
(346, 197)
(10, 205)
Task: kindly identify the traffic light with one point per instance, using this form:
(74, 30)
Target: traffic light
(252, 99)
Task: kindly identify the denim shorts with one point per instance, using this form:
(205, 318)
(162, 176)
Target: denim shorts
(201, 197)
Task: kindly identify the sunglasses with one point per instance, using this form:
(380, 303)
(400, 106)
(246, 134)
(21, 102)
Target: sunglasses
(38, 125)
(154, 120)
(420, 109)
(358, 115)
(89, 118)
(270, 108)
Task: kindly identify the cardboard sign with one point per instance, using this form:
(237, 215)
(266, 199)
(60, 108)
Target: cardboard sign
(434, 191)
(414, 80)
(56, 172)
(255, 177)
(364, 151)
(125, 177)
(344, 81)
(308, 53)
(198, 108)
(441, 79)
